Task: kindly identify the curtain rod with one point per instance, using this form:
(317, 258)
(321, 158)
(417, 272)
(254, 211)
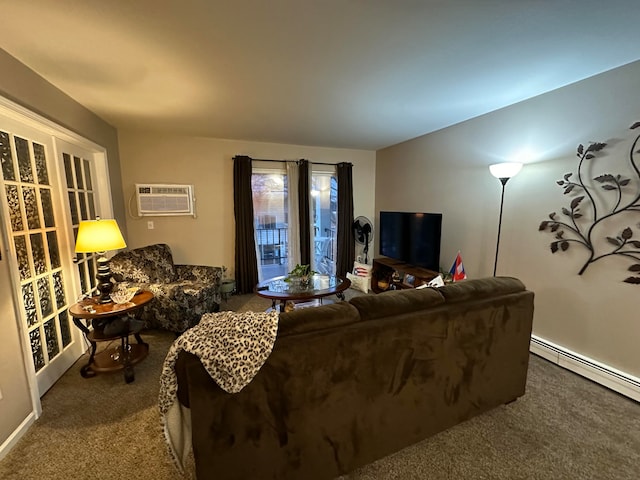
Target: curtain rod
(285, 161)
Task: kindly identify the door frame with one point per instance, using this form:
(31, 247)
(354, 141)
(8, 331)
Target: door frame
(31, 120)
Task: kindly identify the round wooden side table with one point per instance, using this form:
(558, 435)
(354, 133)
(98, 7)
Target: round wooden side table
(120, 357)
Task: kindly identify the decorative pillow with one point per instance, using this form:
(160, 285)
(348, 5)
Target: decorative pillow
(362, 269)
(359, 283)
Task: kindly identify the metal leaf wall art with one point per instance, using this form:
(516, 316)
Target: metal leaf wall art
(579, 224)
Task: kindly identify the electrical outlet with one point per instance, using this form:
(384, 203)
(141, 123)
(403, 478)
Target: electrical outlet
(150, 225)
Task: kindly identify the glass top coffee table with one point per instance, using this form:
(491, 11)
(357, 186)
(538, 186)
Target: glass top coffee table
(277, 289)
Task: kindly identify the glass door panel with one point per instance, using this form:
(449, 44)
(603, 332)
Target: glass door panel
(81, 206)
(324, 218)
(271, 219)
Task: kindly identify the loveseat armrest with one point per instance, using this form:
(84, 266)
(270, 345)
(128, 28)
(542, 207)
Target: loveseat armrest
(200, 273)
(126, 284)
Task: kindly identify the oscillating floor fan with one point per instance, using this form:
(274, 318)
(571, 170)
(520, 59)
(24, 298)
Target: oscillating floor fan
(363, 232)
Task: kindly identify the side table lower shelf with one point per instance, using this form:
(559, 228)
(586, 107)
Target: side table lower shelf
(111, 360)
(119, 323)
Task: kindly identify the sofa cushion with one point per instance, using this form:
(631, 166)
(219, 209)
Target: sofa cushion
(480, 288)
(396, 302)
(309, 319)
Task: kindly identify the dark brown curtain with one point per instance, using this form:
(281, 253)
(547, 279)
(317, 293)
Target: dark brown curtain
(246, 261)
(345, 240)
(303, 209)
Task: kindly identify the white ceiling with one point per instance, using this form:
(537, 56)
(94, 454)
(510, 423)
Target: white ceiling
(342, 73)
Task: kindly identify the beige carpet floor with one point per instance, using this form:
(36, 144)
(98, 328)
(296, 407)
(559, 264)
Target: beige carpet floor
(565, 427)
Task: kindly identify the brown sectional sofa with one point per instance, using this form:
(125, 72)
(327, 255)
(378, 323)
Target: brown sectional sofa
(351, 382)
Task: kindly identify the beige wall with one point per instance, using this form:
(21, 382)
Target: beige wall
(21, 85)
(15, 405)
(207, 164)
(26, 88)
(447, 171)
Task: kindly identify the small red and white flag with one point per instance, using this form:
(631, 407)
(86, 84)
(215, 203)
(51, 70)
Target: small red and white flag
(361, 271)
(457, 269)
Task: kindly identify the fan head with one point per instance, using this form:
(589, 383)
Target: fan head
(362, 229)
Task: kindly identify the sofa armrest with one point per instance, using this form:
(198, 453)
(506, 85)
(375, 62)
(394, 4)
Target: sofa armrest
(184, 361)
(480, 288)
(200, 273)
(304, 320)
(396, 302)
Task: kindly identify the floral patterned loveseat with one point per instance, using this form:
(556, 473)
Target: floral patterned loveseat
(182, 292)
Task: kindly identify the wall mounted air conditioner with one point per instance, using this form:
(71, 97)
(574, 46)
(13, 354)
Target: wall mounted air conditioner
(164, 199)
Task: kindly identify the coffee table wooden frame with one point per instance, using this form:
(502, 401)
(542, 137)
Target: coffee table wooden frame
(262, 290)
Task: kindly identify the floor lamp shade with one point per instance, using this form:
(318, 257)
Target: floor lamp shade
(100, 236)
(503, 172)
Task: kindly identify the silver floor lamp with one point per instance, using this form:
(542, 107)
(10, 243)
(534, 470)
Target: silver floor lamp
(503, 172)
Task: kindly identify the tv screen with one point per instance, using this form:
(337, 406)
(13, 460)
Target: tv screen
(413, 238)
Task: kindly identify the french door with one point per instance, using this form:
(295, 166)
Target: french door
(39, 212)
(271, 190)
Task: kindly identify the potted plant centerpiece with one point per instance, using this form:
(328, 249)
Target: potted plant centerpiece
(300, 276)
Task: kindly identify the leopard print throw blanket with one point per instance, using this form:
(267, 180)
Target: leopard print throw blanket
(232, 348)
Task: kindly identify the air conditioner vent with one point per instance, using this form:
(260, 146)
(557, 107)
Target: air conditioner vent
(164, 199)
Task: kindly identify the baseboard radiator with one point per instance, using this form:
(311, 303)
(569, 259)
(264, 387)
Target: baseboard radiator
(609, 377)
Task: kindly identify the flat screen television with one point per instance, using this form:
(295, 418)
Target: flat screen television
(413, 238)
